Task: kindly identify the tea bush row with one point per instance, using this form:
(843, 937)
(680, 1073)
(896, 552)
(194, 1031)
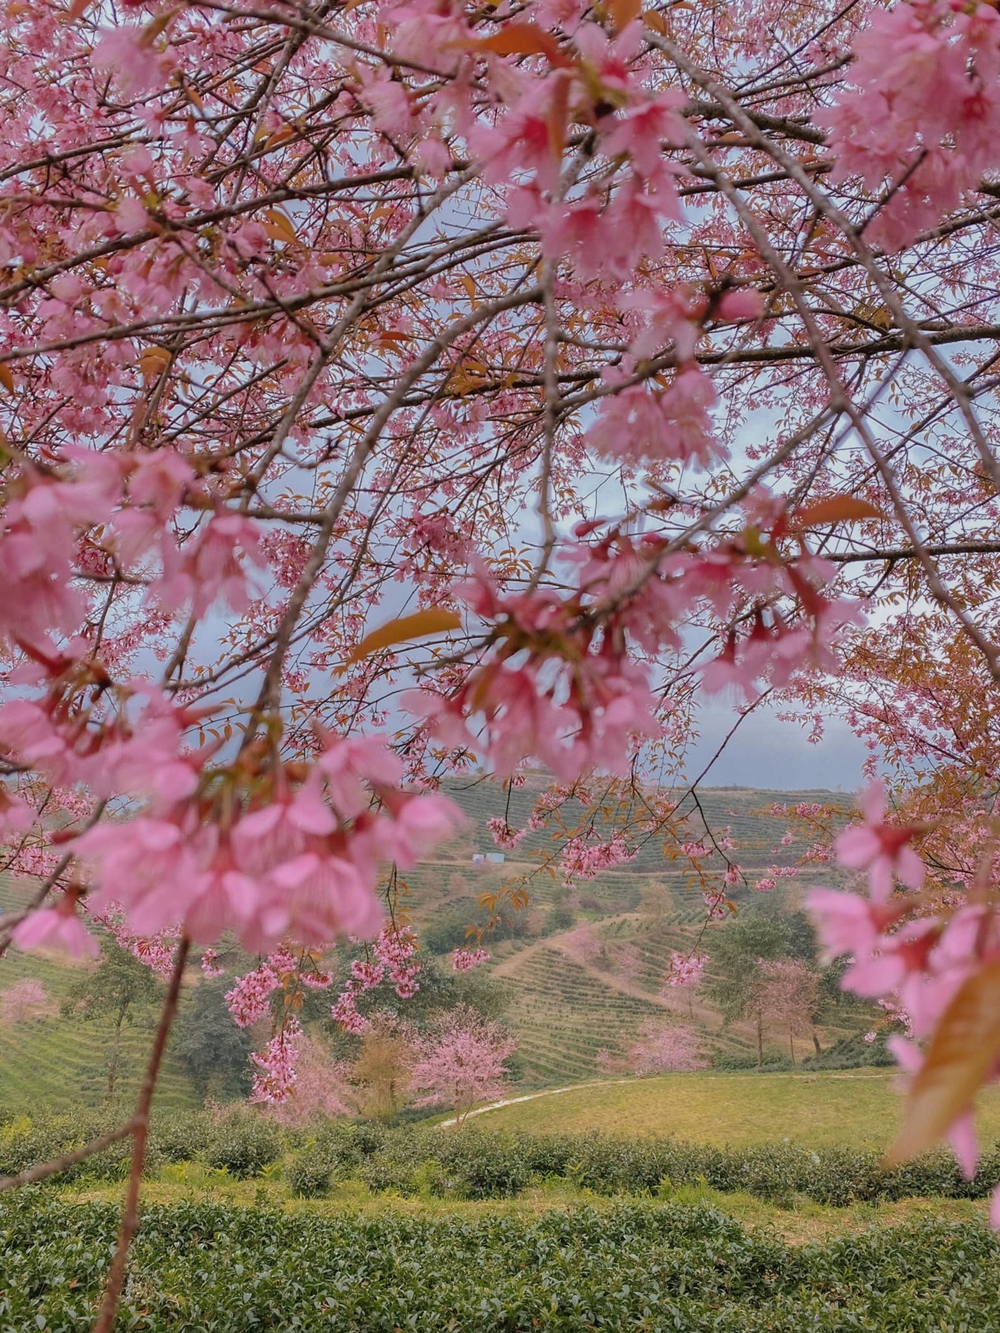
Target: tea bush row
(477, 1164)
(628, 1267)
(480, 1165)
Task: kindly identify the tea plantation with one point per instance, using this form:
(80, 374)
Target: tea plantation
(627, 1267)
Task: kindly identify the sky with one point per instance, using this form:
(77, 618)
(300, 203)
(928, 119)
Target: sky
(768, 753)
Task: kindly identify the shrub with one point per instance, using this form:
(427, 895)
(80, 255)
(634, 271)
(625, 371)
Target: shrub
(619, 1269)
(243, 1143)
(309, 1172)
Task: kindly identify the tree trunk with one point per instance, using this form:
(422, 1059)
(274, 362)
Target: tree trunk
(760, 1040)
(816, 1046)
(791, 1045)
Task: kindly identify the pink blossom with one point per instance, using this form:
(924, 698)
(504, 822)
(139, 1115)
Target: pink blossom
(211, 565)
(881, 849)
(56, 927)
(130, 56)
(249, 998)
(276, 1064)
(669, 424)
(209, 964)
(463, 960)
(684, 969)
(846, 923)
(503, 835)
(463, 1063)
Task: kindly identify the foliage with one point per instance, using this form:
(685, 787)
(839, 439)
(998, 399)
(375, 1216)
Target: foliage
(382, 1073)
(243, 1142)
(567, 1271)
(739, 953)
(215, 1052)
(116, 992)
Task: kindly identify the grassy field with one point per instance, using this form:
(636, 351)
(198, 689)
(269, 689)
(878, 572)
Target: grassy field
(858, 1108)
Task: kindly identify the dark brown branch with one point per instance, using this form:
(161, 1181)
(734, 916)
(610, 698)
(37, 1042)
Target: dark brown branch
(140, 1131)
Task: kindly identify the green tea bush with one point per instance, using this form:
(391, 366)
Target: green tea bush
(500, 1165)
(309, 1171)
(243, 1143)
(628, 1268)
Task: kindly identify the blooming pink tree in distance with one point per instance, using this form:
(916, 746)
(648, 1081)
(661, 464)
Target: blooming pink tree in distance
(663, 1048)
(462, 1063)
(320, 1090)
(393, 388)
(27, 998)
(789, 996)
(629, 963)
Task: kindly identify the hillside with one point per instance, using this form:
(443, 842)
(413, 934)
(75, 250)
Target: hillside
(586, 965)
(572, 1000)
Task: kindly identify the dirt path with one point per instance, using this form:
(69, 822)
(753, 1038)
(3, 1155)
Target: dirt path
(530, 1097)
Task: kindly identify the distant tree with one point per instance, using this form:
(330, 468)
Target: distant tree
(321, 1088)
(25, 999)
(382, 1074)
(215, 1052)
(115, 992)
(789, 997)
(738, 952)
(629, 963)
(663, 1047)
(462, 1063)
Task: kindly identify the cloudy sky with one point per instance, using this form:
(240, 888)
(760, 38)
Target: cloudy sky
(767, 753)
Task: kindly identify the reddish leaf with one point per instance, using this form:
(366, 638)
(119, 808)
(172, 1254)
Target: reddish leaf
(432, 620)
(624, 11)
(837, 509)
(520, 39)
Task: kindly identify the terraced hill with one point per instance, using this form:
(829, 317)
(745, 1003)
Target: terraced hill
(562, 959)
(60, 1064)
(570, 999)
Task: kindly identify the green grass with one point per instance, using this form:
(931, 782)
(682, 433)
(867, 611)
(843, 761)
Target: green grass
(857, 1108)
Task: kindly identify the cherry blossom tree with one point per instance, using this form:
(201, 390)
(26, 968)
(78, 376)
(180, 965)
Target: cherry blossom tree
(789, 997)
(321, 1090)
(630, 963)
(664, 1047)
(397, 387)
(463, 1062)
(27, 998)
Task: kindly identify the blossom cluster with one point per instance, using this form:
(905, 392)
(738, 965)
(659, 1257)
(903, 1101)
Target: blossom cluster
(912, 959)
(924, 113)
(464, 960)
(583, 859)
(562, 681)
(394, 961)
(684, 969)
